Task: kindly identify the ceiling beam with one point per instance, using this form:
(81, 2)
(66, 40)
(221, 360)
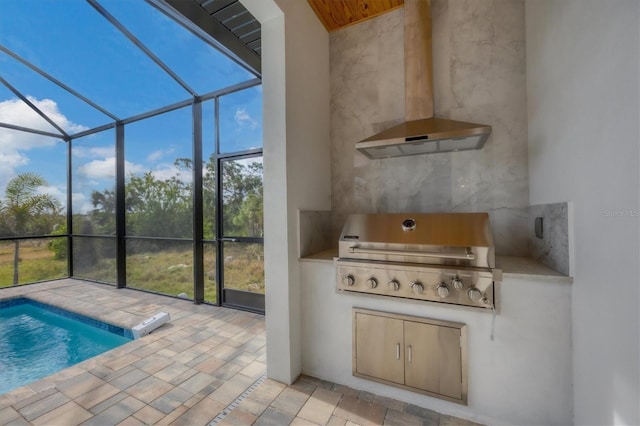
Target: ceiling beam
(30, 130)
(140, 45)
(226, 40)
(38, 111)
(57, 82)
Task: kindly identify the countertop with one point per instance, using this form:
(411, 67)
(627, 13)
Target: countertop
(511, 266)
(525, 267)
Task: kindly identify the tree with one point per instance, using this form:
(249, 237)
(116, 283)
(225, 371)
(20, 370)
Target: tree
(163, 207)
(154, 207)
(26, 211)
(158, 207)
(209, 199)
(242, 199)
(59, 245)
(104, 212)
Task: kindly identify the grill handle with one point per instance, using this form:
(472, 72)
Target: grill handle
(468, 255)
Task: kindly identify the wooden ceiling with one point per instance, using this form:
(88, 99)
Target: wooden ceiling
(336, 14)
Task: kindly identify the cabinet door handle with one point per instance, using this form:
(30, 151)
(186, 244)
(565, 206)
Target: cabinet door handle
(410, 353)
(397, 350)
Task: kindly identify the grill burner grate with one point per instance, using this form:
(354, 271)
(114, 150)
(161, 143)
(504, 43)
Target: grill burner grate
(438, 257)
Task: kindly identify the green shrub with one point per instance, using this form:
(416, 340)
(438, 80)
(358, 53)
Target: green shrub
(59, 245)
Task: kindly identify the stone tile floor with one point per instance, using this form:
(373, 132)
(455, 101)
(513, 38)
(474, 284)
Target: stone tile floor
(206, 366)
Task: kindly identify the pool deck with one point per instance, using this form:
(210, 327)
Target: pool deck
(207, 365)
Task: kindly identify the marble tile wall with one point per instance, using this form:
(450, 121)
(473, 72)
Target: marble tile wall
(553, 248)
(479, 76)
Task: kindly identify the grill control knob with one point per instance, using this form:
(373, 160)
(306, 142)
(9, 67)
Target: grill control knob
(443, 290)
(372, 283)
(348, 280)
(457, 283)
(474, 294)
(417, 287)
(394, 285)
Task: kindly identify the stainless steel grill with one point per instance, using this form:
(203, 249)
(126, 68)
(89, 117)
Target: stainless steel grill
(438, 257)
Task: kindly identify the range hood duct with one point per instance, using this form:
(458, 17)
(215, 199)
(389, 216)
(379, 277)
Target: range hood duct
(421, 133)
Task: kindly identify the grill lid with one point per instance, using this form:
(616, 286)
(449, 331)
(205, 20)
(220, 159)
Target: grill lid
(462, 239)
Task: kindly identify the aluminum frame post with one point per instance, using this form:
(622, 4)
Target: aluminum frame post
(121, 246)
(198, 215)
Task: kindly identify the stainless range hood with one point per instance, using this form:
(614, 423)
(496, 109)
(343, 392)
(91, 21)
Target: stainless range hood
(426, 136)
(422, 133)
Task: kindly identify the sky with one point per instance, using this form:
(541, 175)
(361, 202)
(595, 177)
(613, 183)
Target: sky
(72, 42)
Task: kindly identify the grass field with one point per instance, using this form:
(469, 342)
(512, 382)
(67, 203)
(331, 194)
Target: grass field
(167, 271)
(37, 263)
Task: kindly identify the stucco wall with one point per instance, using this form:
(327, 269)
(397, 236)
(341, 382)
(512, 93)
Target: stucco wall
(583, 106)
(583, 114)
(295, 76)
(521, 377)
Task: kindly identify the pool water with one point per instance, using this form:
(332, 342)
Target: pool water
(35, 341)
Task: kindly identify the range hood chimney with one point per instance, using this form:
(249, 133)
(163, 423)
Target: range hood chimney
(421, 133)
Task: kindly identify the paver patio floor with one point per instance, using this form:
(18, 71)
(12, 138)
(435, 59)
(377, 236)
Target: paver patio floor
(207, 365)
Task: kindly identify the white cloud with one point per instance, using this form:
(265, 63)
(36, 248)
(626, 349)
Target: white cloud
(131, 168)
(155, 156)
(106, 168)
(166, 172)
(243, 118)
(92, 151)
(159, 154)
(15, 144)
(58, 193)
(80, 203)
(9, 161)
(15, 111)
(99, 169)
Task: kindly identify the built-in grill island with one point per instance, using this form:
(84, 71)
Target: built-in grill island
(435, 257)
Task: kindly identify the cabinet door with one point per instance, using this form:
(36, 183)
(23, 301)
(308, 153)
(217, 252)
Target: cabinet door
(378, 348)
(433, 358)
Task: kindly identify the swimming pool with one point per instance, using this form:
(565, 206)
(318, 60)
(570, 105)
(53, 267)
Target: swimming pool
(37, 340)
